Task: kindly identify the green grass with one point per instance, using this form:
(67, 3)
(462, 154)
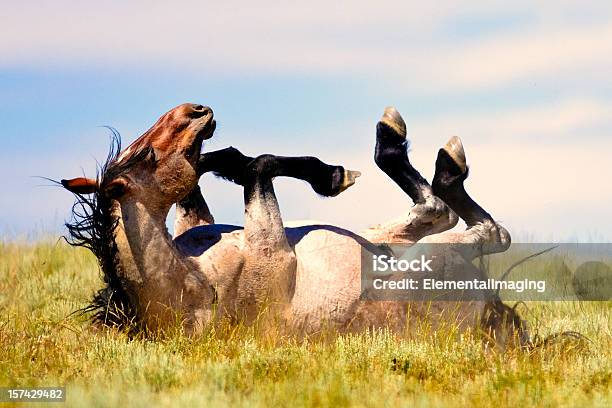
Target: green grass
(41, 345)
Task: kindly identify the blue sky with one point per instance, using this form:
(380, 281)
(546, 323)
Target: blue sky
(526, 86)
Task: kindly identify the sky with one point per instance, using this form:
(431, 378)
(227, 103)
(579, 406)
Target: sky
(526, 85)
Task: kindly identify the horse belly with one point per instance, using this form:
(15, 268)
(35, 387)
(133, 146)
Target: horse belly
(327, 281)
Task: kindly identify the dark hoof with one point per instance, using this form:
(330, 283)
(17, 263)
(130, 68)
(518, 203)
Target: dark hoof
(348, 179)
(451, 168)
(338, 180)
(454, 148)
(391, 125)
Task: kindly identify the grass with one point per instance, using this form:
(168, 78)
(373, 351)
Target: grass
(42, 345)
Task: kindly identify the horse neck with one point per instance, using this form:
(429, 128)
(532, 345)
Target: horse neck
(145, 247)
(152, 268)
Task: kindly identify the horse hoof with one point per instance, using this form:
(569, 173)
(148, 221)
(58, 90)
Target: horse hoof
(454, 148)
(393, 120)
(348, 179)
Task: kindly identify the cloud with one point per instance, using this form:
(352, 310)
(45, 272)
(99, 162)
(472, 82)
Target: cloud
(538, 166)
(559, 122)
(406, 44)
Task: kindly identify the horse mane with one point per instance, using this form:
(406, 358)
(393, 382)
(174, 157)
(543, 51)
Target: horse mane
(92, 226)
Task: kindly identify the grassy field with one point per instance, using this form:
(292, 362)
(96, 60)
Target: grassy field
(42, 345)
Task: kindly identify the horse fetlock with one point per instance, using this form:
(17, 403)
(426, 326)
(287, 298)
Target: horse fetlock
(434, 211)
(501, 236)
(490, 236)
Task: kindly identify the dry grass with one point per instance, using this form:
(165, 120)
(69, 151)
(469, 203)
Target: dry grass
(41, 284)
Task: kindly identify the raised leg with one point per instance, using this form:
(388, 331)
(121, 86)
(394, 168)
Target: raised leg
(325, 179)
(429, 215)
(231, 164)
(270, 264)
(483, 235)
(451, 172)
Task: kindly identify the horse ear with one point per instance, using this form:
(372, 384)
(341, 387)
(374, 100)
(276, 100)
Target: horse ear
(80, 185)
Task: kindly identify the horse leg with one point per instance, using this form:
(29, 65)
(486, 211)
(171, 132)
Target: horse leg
(231, 164)
(429, 215)
(483, 235)
(326, 180)
(270, 263)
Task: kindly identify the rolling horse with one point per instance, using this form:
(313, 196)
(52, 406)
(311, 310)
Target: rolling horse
(307, 275)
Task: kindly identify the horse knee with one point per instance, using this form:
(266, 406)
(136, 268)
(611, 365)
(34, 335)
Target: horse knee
(262, 166)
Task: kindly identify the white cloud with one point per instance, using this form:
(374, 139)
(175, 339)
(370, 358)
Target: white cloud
(402, 42)
(538, 175)
(554, 123)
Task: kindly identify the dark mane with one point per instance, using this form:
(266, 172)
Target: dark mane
(92, 226)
